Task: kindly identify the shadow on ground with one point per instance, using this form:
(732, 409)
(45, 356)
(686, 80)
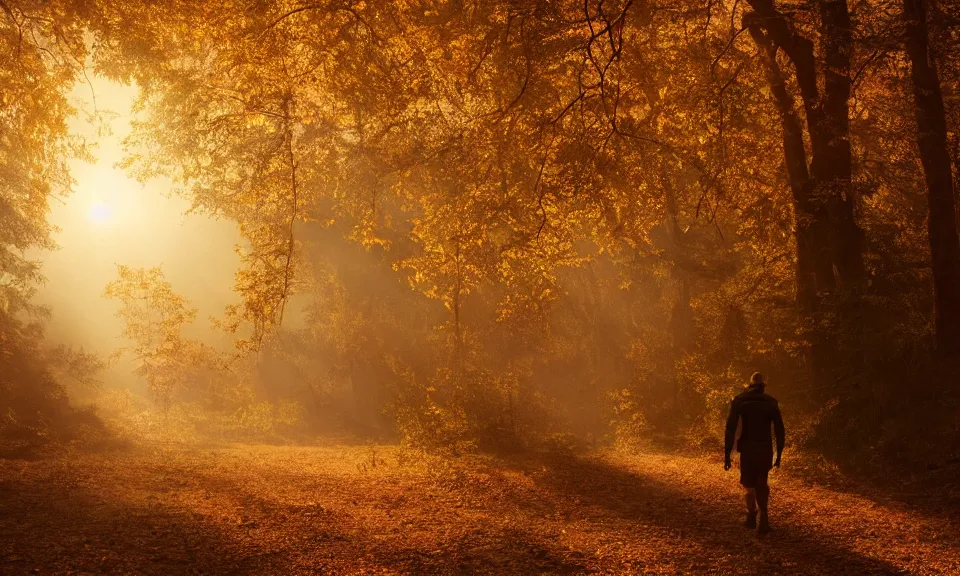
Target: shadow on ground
(58, 528)
(285, 512)
(53, 524)
(712, 522)
(375, 524)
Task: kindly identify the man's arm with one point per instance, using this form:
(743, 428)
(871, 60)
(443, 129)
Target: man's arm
(733, 420)
(778, 431)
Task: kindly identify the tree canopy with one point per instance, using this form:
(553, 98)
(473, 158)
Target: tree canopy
(487, 216)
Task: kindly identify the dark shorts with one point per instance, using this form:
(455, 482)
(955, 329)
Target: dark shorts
(755, 464)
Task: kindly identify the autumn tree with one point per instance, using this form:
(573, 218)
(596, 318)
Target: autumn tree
(153, 317)
(932, 140)
(734, 180)
(44, 51)
(45, 48)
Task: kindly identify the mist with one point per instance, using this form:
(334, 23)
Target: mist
(140, 224)
(495, 288)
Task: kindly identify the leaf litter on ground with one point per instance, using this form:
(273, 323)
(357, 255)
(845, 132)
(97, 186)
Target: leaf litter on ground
(340, 509)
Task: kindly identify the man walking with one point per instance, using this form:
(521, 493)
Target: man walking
(752, 413)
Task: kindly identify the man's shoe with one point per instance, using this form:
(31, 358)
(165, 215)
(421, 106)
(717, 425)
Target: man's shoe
(764, 528)
(751, 521)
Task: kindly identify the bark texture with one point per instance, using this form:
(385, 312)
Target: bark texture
(932, 141)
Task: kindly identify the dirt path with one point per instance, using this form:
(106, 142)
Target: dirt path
(349, 510)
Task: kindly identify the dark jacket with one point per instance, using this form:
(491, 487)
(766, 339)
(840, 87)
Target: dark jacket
(754, 411)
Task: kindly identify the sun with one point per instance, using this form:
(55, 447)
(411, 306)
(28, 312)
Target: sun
(99, 213)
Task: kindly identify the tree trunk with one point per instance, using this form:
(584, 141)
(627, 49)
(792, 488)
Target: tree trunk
(294, 207)
(809, 223)
(835, 240)
(832, 170)
(830, 270)
(457, 328)
(832, 166)
(681, 317)
(932, 140)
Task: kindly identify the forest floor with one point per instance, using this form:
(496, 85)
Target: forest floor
(238, 509)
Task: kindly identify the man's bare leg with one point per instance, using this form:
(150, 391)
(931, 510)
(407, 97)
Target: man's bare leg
(751, 498)
(763, 499)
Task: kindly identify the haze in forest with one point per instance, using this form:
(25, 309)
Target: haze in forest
(272, 272)
(486, 224)
(112, 219)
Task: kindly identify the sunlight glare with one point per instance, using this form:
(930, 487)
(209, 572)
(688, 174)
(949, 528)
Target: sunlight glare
(99, 213)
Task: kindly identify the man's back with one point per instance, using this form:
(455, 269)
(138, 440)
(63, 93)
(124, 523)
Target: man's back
(755, 411)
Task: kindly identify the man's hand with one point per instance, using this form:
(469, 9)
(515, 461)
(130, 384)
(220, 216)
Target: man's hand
(777, 462)
(726, 463)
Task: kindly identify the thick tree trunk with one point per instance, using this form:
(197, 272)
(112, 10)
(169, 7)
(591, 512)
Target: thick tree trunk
(932, 140)
(832, 166)
(835, 241)
(829, 241)
(809, 223)
(832, 169)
